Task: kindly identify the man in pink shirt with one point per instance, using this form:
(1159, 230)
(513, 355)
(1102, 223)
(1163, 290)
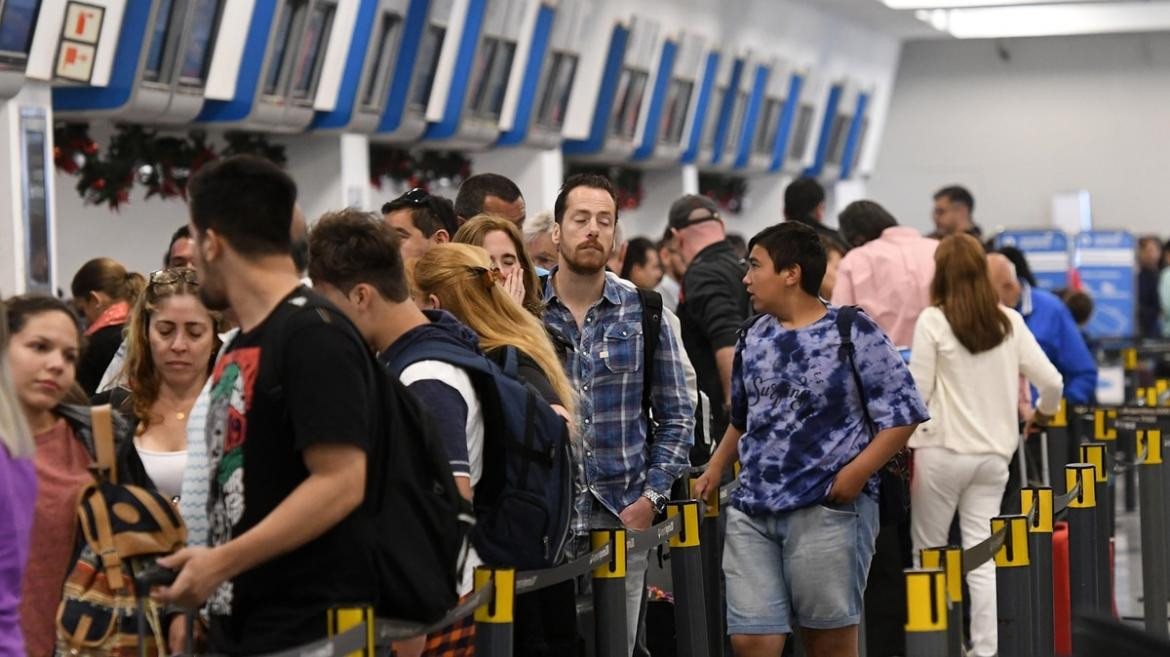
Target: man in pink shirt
(889, 271)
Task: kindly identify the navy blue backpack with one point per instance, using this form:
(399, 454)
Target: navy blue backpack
(524, 500)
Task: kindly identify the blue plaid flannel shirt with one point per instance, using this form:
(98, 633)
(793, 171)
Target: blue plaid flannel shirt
(615, 464)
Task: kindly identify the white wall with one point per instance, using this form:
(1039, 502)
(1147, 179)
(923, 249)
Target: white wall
(1058, 114)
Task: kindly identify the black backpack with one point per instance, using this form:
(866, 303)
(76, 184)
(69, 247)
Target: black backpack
(420, 522)
(524, 500)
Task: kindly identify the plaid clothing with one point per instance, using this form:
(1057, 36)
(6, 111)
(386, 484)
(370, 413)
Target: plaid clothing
(455, 640)
(617, 464)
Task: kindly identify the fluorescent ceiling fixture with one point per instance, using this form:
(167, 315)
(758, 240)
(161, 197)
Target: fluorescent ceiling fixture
(1050, 20)
(958, 4)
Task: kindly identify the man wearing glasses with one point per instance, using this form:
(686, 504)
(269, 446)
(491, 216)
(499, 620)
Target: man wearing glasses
(421, 221)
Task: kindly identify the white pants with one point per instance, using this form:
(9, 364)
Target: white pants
(944, 481)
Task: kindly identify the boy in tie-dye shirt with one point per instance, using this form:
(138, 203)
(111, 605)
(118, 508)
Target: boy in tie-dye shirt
(802, 525)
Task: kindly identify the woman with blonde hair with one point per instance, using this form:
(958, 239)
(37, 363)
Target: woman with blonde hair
(461, 279)
(103, 291)
(967, 358)
(18, 489)
(505, 246)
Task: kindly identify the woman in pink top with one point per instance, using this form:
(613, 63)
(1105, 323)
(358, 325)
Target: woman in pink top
(42, 356)
(18, 488)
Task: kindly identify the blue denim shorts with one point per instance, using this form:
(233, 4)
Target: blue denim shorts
(803, 568)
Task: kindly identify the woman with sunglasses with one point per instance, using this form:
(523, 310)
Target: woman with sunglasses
(171, 339)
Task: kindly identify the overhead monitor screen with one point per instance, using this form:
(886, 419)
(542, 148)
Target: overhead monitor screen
(769, 126)
(737, 116)
(801, 131)
(158, 41)
(289, 25)
(428, 61)
(17, 22)
(312, 52)
(558, 84)
(713, 111)
(628, 105)
(493, 65)
(860, 142)
(838, 135)
(202, 31)
(678, 101)
(379, 70)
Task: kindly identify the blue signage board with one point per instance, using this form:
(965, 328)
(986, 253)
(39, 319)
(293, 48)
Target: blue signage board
(1046, 252)
(1106, 263)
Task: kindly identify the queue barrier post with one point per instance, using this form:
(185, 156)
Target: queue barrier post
(1151, 473)
(1096, 454)
(926, 612)
(493, 621)
(686, 567)
(342, 619)
(711, 553)
(609, 595)
(1056, 443)
(1082, 539)
(1013, 587)
(1038, 501)
(949, 559)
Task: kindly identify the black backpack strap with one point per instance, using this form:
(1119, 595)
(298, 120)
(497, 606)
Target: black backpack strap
(845, 318)
(651, 336)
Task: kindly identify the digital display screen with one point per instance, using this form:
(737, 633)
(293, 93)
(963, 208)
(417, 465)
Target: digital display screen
(678, 100)
(17, 22)
(379, 76)
(311, 55)
(558, 85)
(197, 58)
(37, 252)
(428, 61)
(158, 40)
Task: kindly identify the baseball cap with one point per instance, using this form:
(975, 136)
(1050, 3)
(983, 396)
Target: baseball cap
(683, 211)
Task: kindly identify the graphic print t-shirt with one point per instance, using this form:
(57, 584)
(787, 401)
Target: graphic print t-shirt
(795, 399)
(296, 380)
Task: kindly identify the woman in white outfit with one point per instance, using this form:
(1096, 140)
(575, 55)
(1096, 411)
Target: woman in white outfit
(967, 357)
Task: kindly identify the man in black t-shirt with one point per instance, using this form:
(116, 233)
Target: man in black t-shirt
(713, 301)
(288, 428)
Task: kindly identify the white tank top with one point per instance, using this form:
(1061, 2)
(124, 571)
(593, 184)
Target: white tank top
(165, 470)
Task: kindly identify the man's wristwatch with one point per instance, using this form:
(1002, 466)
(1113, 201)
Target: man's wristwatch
(657, 499)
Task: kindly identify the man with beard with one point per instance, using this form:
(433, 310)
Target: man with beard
(627, 462)
(287, 430)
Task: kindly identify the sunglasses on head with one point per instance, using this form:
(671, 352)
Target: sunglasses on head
(173, 275)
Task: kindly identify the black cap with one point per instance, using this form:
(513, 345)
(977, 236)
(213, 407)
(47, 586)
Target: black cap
(683, 211)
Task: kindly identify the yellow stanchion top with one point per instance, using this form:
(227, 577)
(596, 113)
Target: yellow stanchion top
(1014, 551)
(1060, 420)
(1130, 356)
(344, 618)
(1094, 454)
(689, 536)
(1041, 497)
(1105, 424)
(1160, 386)
(1149, 443)
(950, 560)
(615, 567)
(499, 610)
(1082, 474)
(926, 603)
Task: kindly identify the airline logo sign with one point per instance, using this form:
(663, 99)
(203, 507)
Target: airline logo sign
(1105, 262)
(79, 41)
(1047, 254)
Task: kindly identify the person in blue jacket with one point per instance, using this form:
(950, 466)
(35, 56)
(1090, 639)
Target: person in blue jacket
(1049, 320)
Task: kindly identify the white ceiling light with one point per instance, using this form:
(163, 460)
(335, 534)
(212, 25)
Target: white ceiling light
(957, 4)
(1050, 20)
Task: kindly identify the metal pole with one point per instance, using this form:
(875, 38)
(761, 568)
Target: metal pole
(1096, 454)
(1040, 549)
(686, 567)
(1151, 472)
(493, 621)
(1013, 591)
(926, 612)
(950, 560)
(1082, 540)
(609, 595)
(710, 549)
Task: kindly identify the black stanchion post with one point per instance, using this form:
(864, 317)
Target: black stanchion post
(493, 621)
(1082, 539)
(950, 560)
(710, 549)
(1097, 455)
(686, 567)
(1040, 551)
(609, 595)
(1057, 433)
(926, 612)
(1151, 472)
(1013, 587)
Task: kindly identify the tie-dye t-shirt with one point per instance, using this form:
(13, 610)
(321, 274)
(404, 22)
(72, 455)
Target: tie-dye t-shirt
(794, 397)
